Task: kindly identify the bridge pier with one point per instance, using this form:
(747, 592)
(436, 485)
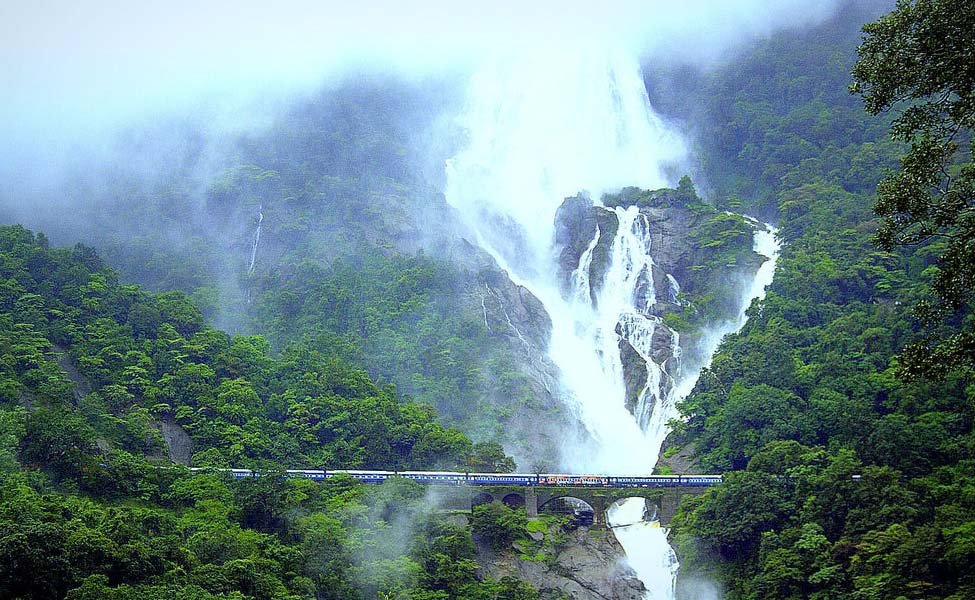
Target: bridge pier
(667, 507)
(531, 502)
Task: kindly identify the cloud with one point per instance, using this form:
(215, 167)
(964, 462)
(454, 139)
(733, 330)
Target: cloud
(112, 52)
(74, 72)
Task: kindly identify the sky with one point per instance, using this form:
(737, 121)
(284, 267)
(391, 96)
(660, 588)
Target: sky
(74, 72)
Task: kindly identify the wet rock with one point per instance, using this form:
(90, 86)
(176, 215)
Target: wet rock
(635, 372)
(82, 387)
(662, 344)
(178, 443)
(590, 565)
(535, 423)
(514, 310)
(575, 226)
(593, 567)
(576, 223)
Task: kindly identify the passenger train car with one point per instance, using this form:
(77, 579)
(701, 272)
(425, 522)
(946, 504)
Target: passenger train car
(520, 479)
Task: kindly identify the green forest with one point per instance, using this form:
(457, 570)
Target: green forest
(94, 371)
(850, 463)
(842, 416)
(351, 257)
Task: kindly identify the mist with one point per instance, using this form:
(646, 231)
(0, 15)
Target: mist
(76, 74)
(124, 123)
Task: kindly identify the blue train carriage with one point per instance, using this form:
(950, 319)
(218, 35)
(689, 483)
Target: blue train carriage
(667, 481)
(631, 481)
(315, 474)
(435, 477)
(642, 481)
(700, 480)
(363, 476)
(241, 473)
(501, 479)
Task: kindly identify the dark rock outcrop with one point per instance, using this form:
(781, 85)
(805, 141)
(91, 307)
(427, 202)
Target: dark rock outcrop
(82, 387)
(589, 565)
(635, 372)
(535, 422)
(179, 445)
(705, 252)
(576, 224)
(669, 223)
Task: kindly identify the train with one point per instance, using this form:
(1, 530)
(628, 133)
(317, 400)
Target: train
(489, 479)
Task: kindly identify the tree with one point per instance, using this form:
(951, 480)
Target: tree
(497, 524)
(490, 457)
(57, 439)
(733, 516)
(921, 56)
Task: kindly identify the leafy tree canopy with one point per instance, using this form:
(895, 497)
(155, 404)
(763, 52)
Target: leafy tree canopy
(921, 58)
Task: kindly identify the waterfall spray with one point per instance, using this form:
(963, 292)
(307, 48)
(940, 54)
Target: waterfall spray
(541, 128)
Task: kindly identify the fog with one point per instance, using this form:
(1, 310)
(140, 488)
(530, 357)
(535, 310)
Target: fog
(74, 73)
(118, 117)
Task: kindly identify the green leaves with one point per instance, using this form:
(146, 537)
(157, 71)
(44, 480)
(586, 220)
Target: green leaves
(812, 392)
(921, 55)
(498, 525)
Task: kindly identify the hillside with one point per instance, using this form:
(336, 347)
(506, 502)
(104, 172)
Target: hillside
(100, 381)
(544, 255)
(809, 394)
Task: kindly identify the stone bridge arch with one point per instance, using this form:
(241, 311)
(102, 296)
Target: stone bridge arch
(663, 500)
(481, 497)
(514, 500)
(581, 511)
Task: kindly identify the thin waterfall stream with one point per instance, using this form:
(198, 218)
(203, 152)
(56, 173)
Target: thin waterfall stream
(542, 128)
(257, 241)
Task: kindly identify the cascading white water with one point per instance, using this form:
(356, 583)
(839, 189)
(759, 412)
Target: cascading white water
(644, 541)
(766, 244)
(541, 128)
(257, 240)
(647, 550)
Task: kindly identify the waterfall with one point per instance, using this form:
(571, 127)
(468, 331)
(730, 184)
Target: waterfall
(542, 127)
(580, 276)
(647, 550)
(257, 240)
(644, 541)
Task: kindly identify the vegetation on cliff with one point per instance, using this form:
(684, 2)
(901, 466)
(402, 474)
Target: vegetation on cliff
(810, 393)
(918, 60)
(351, 260)
(91, 508)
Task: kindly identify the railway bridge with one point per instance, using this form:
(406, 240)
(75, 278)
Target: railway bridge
(586, 497)
(661, 501)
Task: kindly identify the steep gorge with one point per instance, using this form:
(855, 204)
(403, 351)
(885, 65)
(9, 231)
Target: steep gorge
(628, 336)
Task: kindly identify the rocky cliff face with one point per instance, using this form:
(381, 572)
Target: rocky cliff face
(517, 404)
(537, 420)
(699, 256)
(525, 397)
(579, 223)
(585, 565)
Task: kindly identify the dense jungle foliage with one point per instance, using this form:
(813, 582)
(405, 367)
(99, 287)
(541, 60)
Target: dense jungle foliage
(94, 373)
(349, 259)
(809, 394)
(843, 477)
